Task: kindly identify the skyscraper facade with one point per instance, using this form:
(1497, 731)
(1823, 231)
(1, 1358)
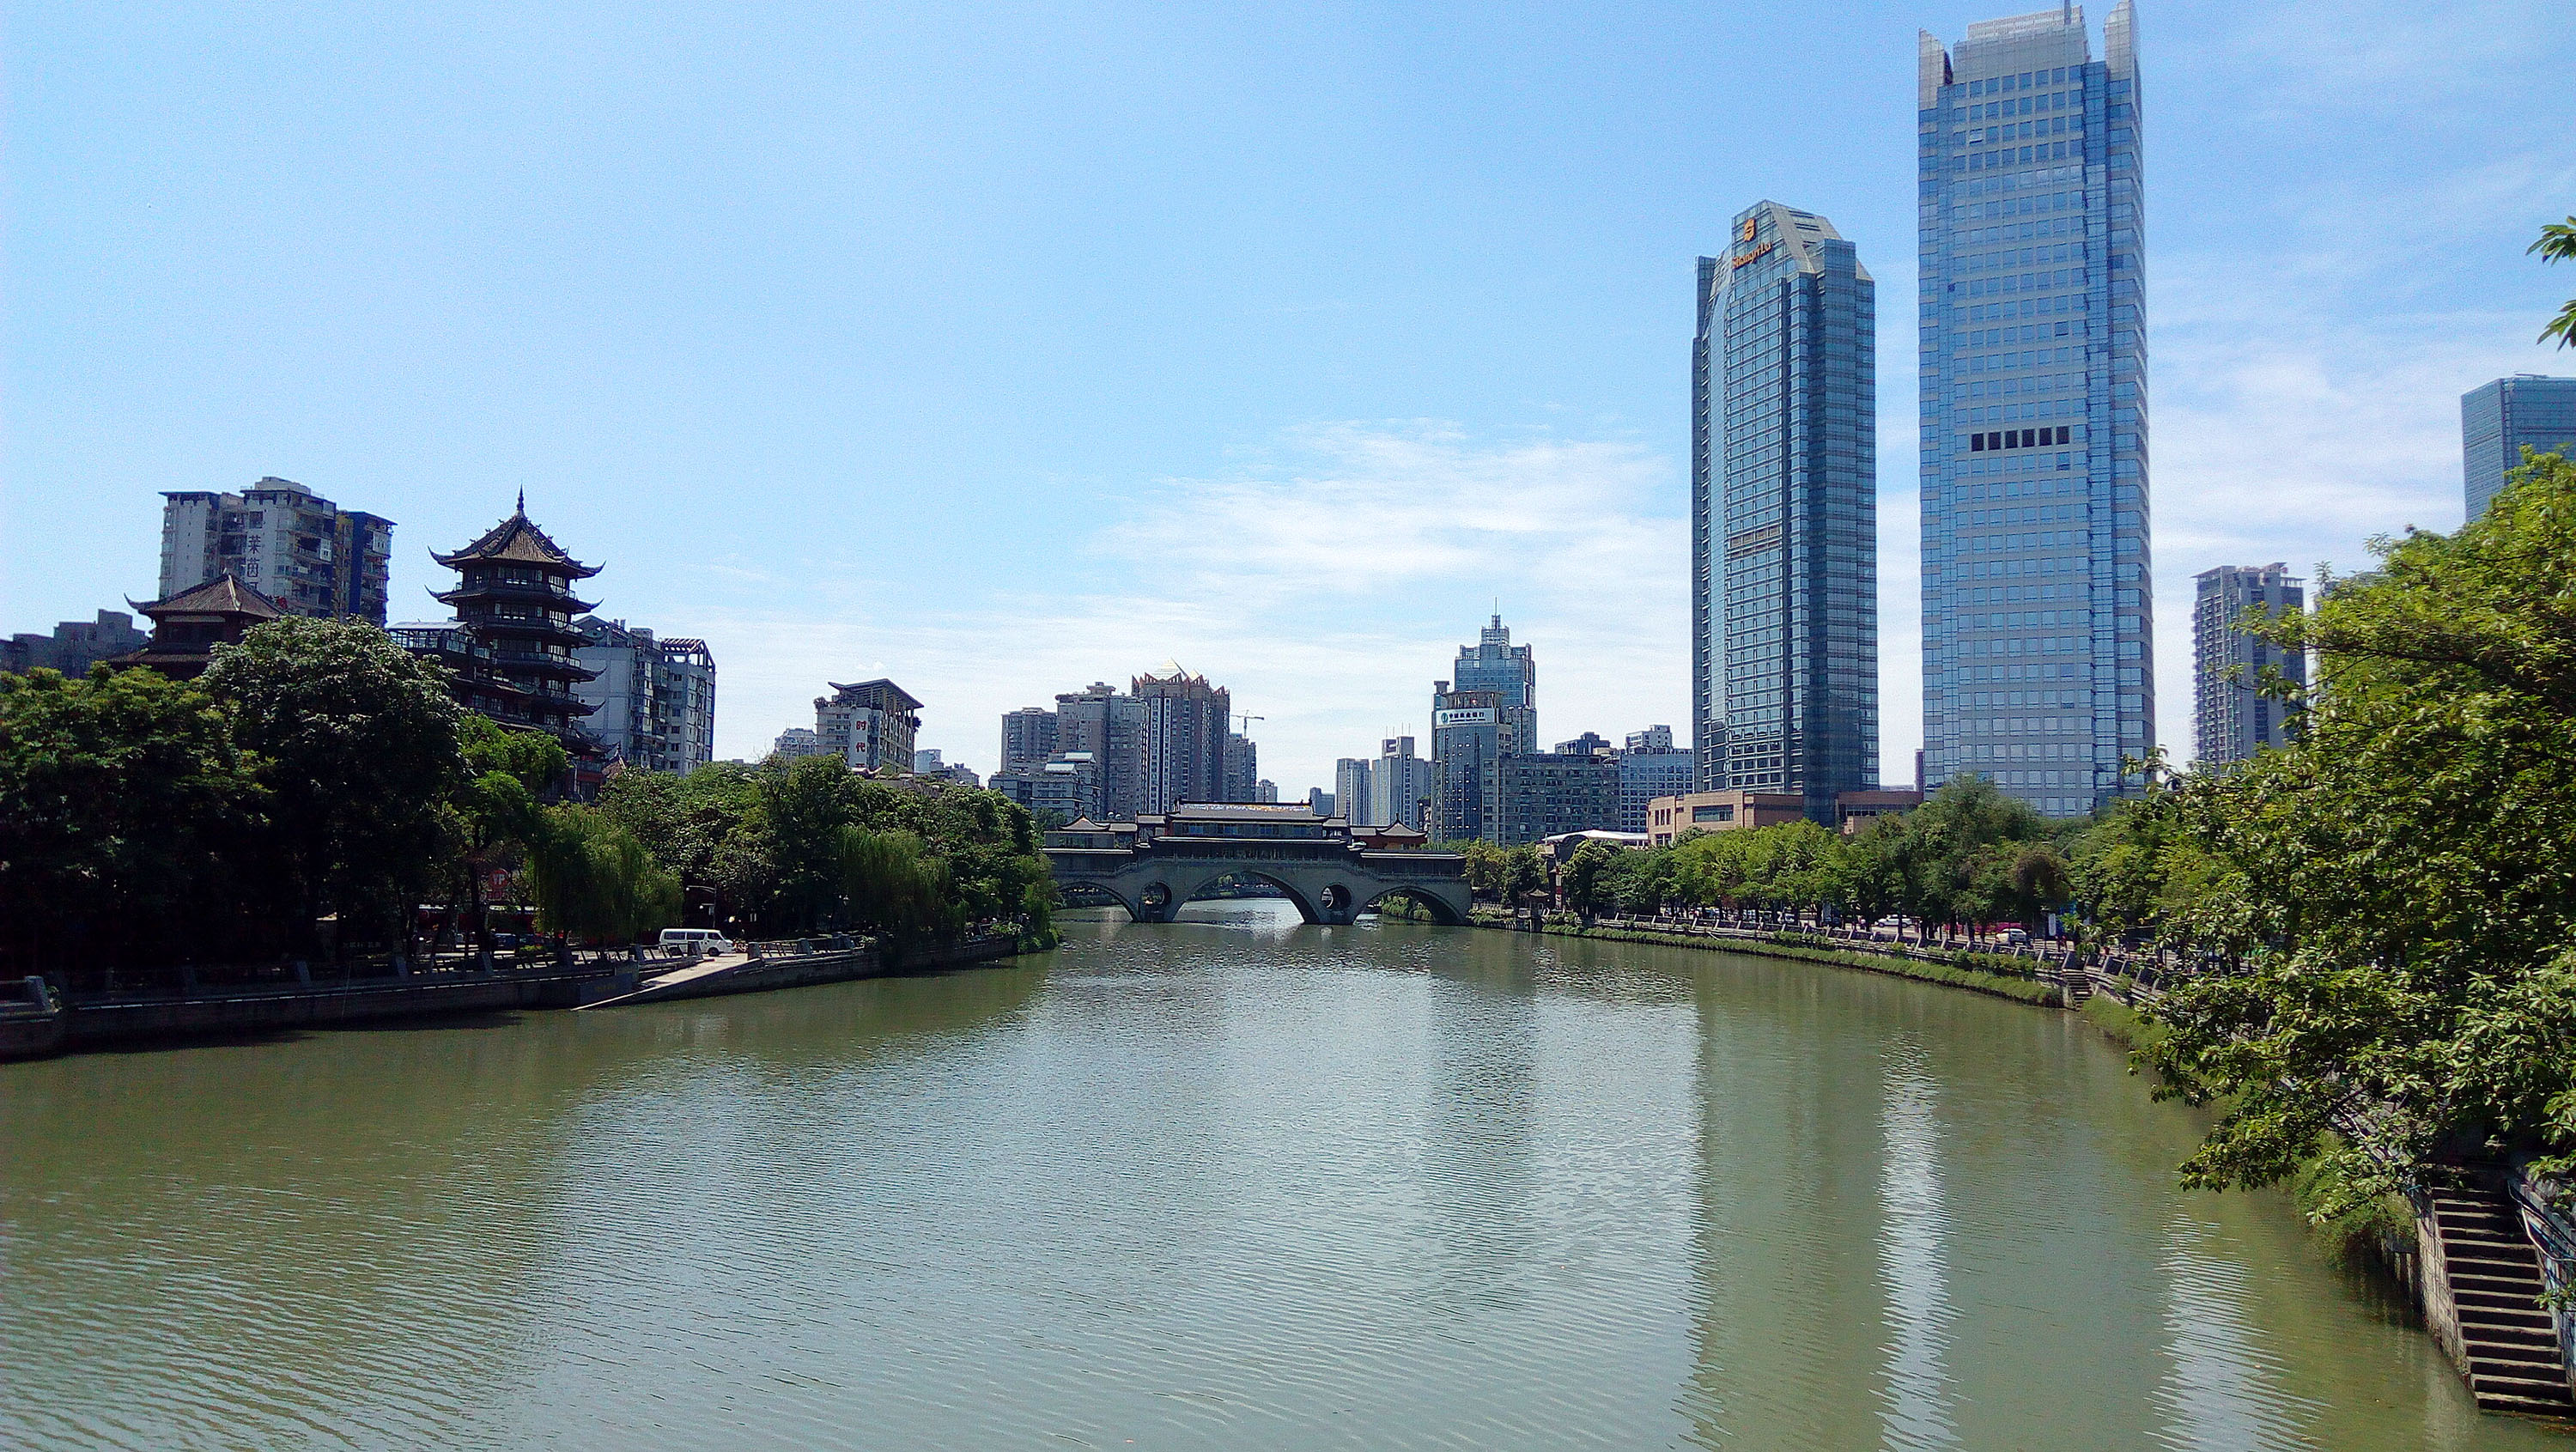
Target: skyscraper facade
(2038, 585)
(301, 550)
(1784, 504)
(2498, 420)
(1488, 710)
(2230, 714)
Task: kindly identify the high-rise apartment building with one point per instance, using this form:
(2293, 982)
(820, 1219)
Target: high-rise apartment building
(1487, 710)
(1653, 738)
(653, 700)
(1028, 737)
(1186, 725)
(2038, 584)
(1319, 801)
(304, 552)
(1242, 769)
(2500, 419)
(1109, 727)
(2230, 713)
(871, 725)
(1784, 513)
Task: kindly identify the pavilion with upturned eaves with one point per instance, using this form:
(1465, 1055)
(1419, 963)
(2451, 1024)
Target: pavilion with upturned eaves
(512, 650)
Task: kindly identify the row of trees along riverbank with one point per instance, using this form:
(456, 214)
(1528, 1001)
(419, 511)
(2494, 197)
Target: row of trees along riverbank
(2379, 920)
(318, 783)
(1967, 857)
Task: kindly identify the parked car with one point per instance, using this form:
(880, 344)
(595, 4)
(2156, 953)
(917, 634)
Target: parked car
(707, 941)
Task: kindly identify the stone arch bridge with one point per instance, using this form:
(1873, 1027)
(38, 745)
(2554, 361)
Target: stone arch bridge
(1153, 865)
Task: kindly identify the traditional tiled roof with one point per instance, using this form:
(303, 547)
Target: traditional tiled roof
(222, 595)
(516, 540)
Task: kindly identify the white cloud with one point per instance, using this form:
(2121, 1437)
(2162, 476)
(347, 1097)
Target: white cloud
(1327, 584)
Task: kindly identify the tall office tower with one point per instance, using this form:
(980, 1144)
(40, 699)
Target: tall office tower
(1784, 503)
(1351, 790)
(2230, 715)
(2038, 586)
(1186, 723)
(2498, 420)
(1028, 738)
(654, 700)
(1319, 801)
(1488, 710)
(1399, 785)
(1097, 720)
(301, 550)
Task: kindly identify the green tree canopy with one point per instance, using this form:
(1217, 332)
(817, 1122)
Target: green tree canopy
(126, 815)
(357, 744)
(2387, 906)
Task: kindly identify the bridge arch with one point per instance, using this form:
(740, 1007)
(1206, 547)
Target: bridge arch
(1201, 882)
(1443, 912)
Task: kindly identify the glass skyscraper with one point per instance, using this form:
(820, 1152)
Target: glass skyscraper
(2498, 420)
(1487, 712)
(1784, 513)
(2038, 586)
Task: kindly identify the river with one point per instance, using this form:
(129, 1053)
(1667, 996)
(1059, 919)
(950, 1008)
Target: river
(1230, 1182)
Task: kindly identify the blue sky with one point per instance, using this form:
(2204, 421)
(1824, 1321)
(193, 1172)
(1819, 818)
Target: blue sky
(1000, 349)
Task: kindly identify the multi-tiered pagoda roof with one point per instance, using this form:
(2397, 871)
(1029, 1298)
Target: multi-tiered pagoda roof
(514, 608)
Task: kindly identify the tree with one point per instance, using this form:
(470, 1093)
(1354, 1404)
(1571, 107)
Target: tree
(357, 744)
(595, 882)
(125, 812)
(2558, 244)
(497, 804)
(1584, 879)
(2385, 908)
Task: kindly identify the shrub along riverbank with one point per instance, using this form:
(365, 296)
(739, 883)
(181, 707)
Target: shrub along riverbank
(1977, 972)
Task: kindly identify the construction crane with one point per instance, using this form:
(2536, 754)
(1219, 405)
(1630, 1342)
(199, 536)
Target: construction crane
(1247, 721)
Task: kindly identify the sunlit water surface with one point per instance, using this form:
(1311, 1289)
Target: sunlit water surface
(1227, 1183)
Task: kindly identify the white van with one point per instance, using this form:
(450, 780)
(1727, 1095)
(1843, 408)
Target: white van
(707, 941)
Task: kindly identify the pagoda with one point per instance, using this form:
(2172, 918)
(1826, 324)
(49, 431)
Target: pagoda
(512, 649)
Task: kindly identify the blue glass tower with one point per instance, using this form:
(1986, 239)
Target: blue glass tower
(1784, 508)
(2038, 586)
(2500, 420)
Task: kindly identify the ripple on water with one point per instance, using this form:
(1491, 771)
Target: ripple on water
(1228, 1183)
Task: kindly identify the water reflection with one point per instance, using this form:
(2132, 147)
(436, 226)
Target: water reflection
(1912, 1258)
(1231, 1181)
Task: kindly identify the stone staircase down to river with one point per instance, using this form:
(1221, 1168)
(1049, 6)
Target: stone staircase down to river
(2510, 1339)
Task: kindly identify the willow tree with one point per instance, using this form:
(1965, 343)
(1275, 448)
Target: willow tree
(595, 882)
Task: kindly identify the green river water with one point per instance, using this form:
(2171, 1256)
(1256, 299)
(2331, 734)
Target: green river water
(1232, 1182)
